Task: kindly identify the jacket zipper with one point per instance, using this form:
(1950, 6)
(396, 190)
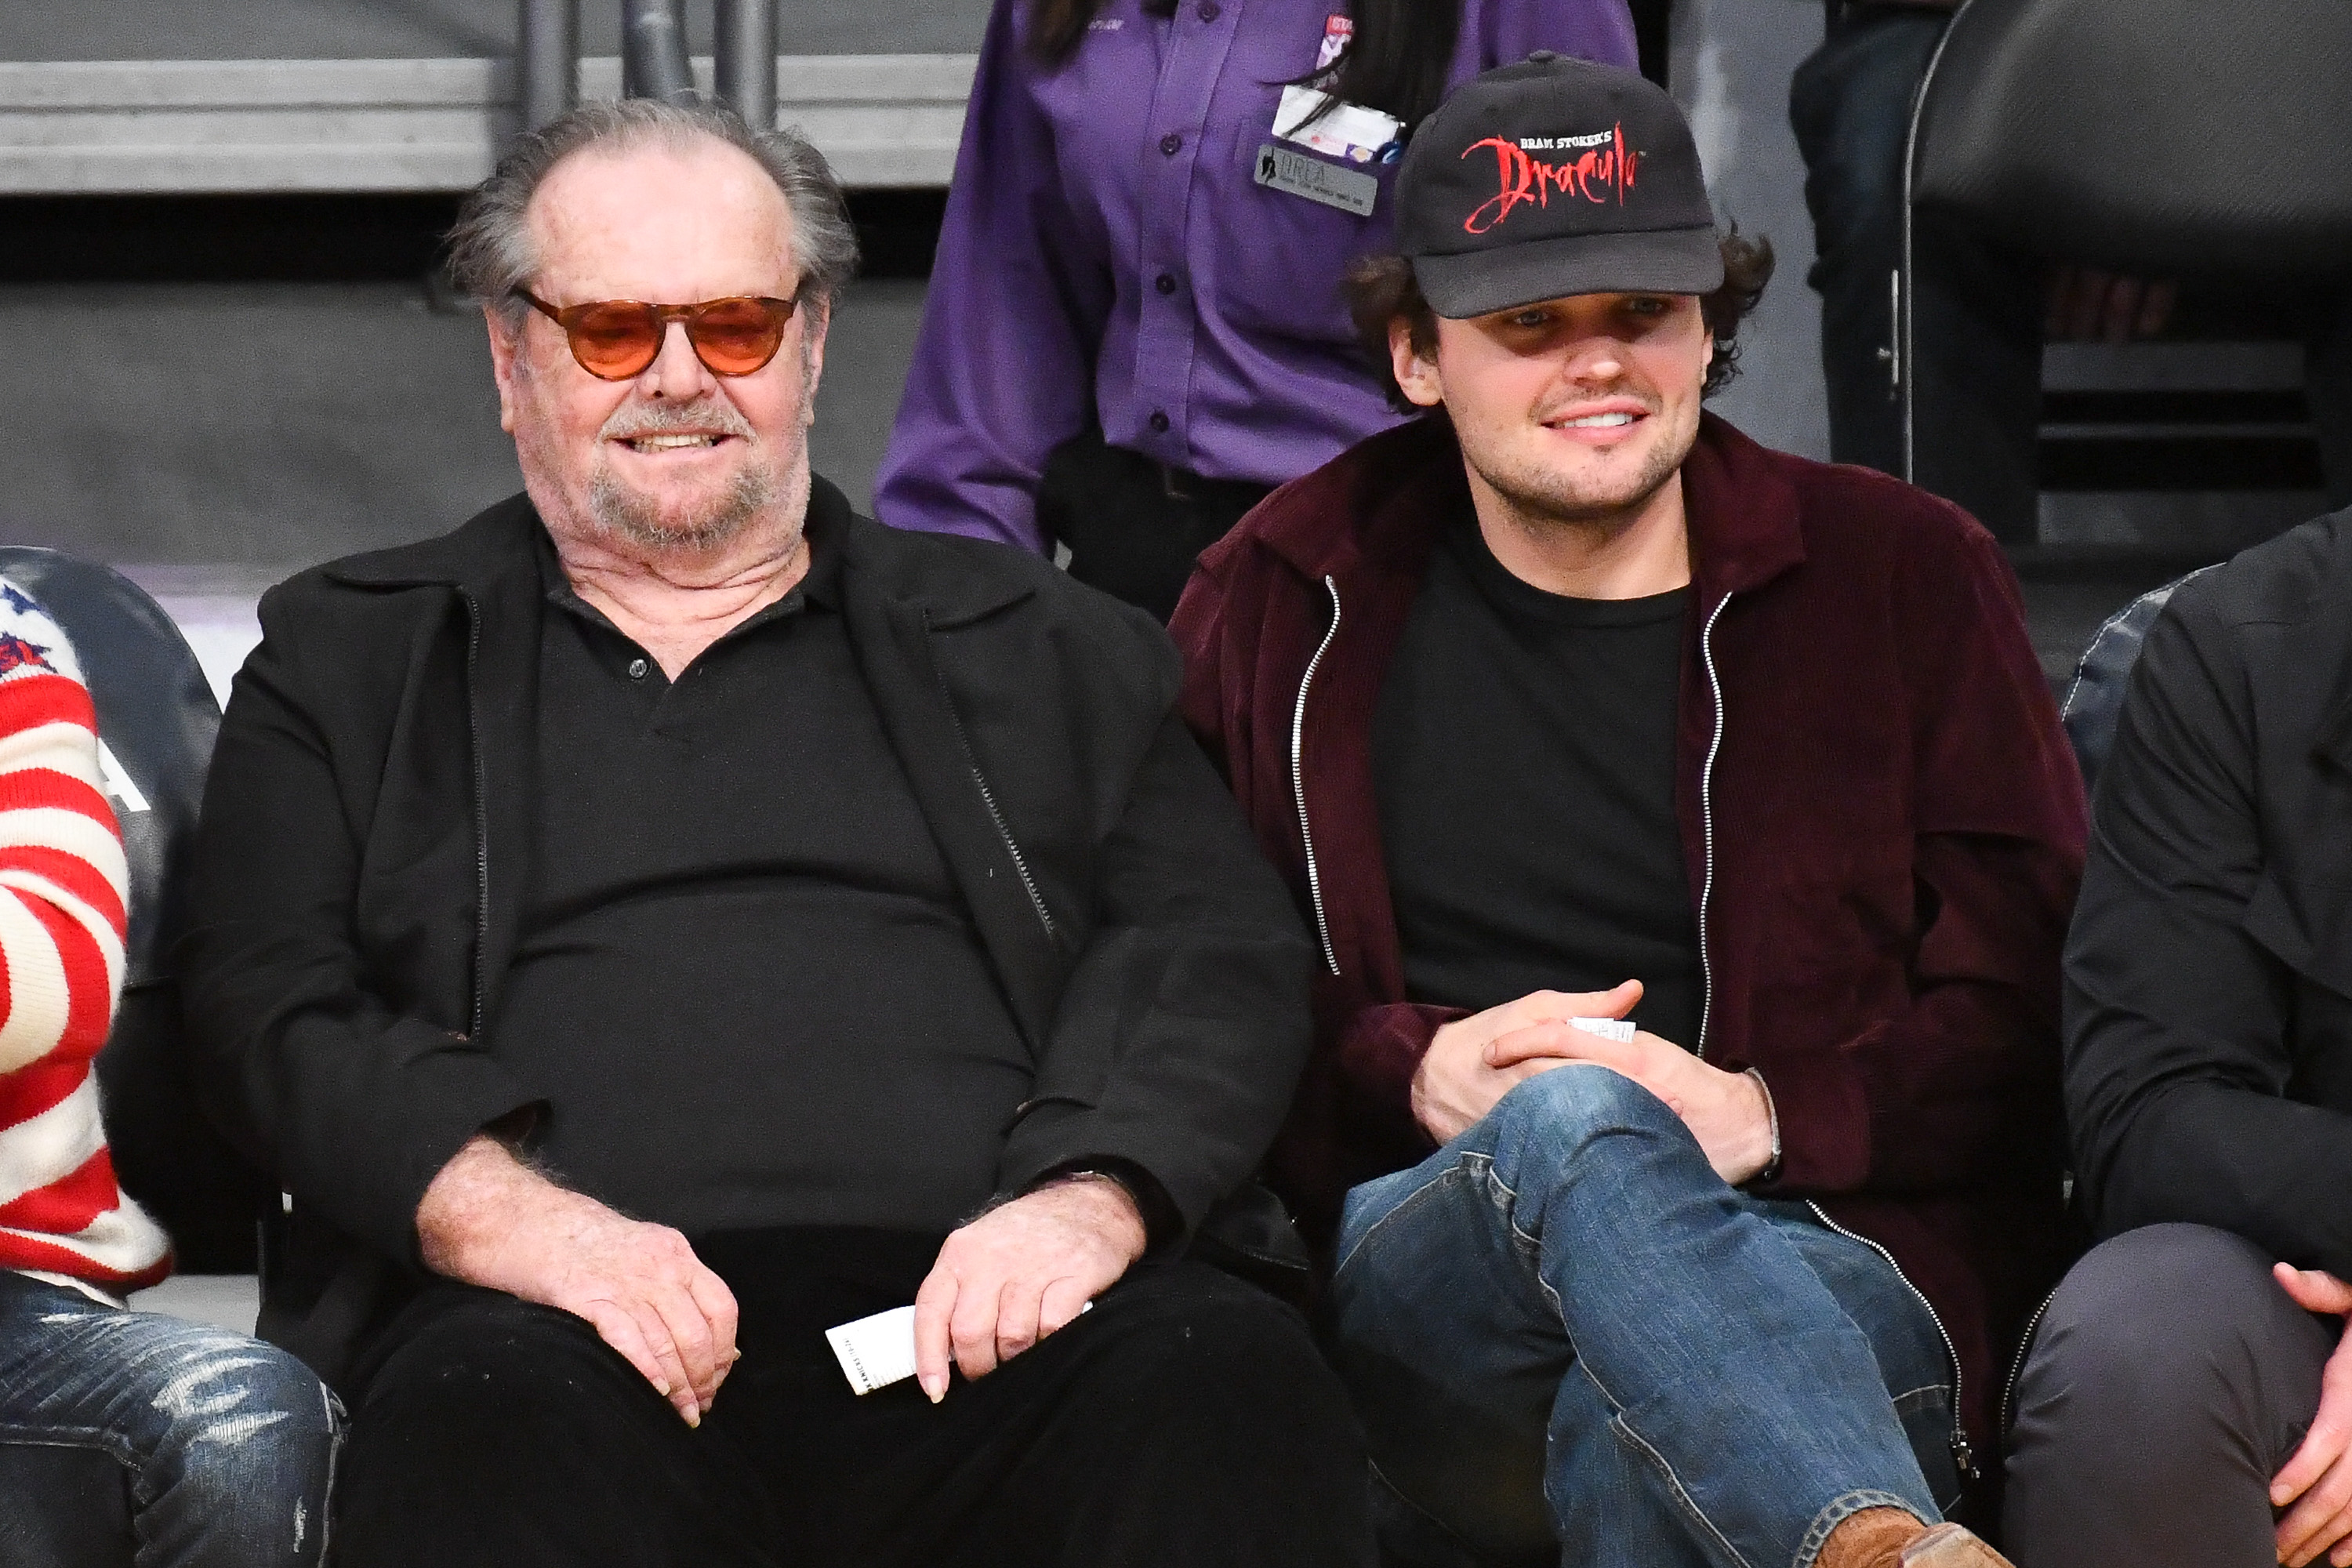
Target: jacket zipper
(988, 798)
(1706, 825)
(1961, 1453)
(481, 807)
(2017, 1366)
(1299, 781)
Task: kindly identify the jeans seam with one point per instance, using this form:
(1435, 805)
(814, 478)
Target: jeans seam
(1395, 1209)
(1625, 1430)
(1618, 1423)
(58, 1436)
(1836, 1511)
(338, 1428)
(91, 1439)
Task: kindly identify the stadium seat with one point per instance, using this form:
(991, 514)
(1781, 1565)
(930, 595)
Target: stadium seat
(156, 719)
(2166, 140)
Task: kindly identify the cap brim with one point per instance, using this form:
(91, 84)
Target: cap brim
(1659, 261)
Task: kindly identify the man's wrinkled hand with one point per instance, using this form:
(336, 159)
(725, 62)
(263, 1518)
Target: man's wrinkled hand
(1020, 1272)
(490, 1220)
(1726, 1111)
(1457, 1084)
(2317, 1479)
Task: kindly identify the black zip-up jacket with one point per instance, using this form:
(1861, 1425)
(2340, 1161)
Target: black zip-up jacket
(2208, 973)
(367, 822)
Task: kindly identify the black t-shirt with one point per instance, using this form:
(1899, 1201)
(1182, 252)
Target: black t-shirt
(734, 892)
(1524, 755)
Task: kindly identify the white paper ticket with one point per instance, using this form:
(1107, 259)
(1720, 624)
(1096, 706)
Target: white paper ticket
(876, 1351)
(1618, 1030)
(1344, 129)
(880, 1351)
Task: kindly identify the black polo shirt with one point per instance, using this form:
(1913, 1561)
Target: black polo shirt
(746, 983)
(1523, 754)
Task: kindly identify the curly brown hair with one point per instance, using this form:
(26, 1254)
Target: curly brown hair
(1381, 289)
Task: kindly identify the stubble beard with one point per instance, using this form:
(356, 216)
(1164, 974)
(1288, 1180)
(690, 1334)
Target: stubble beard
(1541, 502)
(639, 524)
(632, 517)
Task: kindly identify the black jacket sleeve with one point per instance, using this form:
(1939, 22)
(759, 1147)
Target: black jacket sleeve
(1184, 1022)
(2178, 1021)
(354, 1104)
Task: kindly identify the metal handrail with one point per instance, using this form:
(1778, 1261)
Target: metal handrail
(746, 50)
(547, 59)
(654, 62)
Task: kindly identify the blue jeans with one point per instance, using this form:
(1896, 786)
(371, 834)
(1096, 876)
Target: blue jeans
(1570, 1340)
(226, 1447)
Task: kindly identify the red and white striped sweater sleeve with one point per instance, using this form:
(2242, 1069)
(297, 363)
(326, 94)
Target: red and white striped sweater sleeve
(63, 889)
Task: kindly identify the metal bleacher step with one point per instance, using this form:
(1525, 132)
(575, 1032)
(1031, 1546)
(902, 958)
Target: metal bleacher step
(2173, 451)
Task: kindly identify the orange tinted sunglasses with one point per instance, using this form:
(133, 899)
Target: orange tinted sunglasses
(616, 338)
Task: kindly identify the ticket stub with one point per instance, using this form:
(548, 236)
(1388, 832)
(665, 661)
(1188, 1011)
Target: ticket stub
(1618, 1030)
(880, 1351)
(1336, 127)
(876, 1351)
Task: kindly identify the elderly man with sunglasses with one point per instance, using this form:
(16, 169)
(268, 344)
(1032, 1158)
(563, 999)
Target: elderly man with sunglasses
(671, 918)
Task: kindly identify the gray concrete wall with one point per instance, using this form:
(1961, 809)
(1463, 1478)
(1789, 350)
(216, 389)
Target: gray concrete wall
(258, 429)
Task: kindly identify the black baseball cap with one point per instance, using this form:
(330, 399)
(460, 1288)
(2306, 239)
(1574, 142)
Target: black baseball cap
(1550, 177)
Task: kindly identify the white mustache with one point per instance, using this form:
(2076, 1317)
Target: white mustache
(631, 423)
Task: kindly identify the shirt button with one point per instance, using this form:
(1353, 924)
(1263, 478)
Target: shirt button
(1159, 422)
(1165, 283)
(1211, 10)
(637, 668)
(1171, 144)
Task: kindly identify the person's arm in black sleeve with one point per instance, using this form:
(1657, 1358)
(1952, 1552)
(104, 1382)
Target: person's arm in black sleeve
(2177, 1019)
(353, 1105)
(1187, 1015)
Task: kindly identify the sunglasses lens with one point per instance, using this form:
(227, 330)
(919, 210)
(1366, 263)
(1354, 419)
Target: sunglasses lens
(736, 337)
(614, 339)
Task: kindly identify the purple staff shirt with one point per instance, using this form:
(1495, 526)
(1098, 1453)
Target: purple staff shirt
(1105, 242)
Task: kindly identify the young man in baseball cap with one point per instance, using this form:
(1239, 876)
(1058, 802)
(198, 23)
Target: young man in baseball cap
(1689, 837)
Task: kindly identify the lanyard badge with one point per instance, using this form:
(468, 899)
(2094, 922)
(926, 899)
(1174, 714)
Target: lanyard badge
(1311, 118)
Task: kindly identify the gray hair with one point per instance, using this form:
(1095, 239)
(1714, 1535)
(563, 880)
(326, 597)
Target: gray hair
(491, 249)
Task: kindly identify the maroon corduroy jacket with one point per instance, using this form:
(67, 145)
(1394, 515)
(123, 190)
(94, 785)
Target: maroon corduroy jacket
(1882, 821)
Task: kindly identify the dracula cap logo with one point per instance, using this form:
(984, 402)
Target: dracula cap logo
(15, 653)
(1599, 168)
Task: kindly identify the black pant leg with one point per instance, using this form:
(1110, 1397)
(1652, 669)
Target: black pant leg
(1977, 309)
(490, 1431)
(1186, 1420)
(1850, 105)
(2170, 1379)
(1976, 377)
(1134, 529)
